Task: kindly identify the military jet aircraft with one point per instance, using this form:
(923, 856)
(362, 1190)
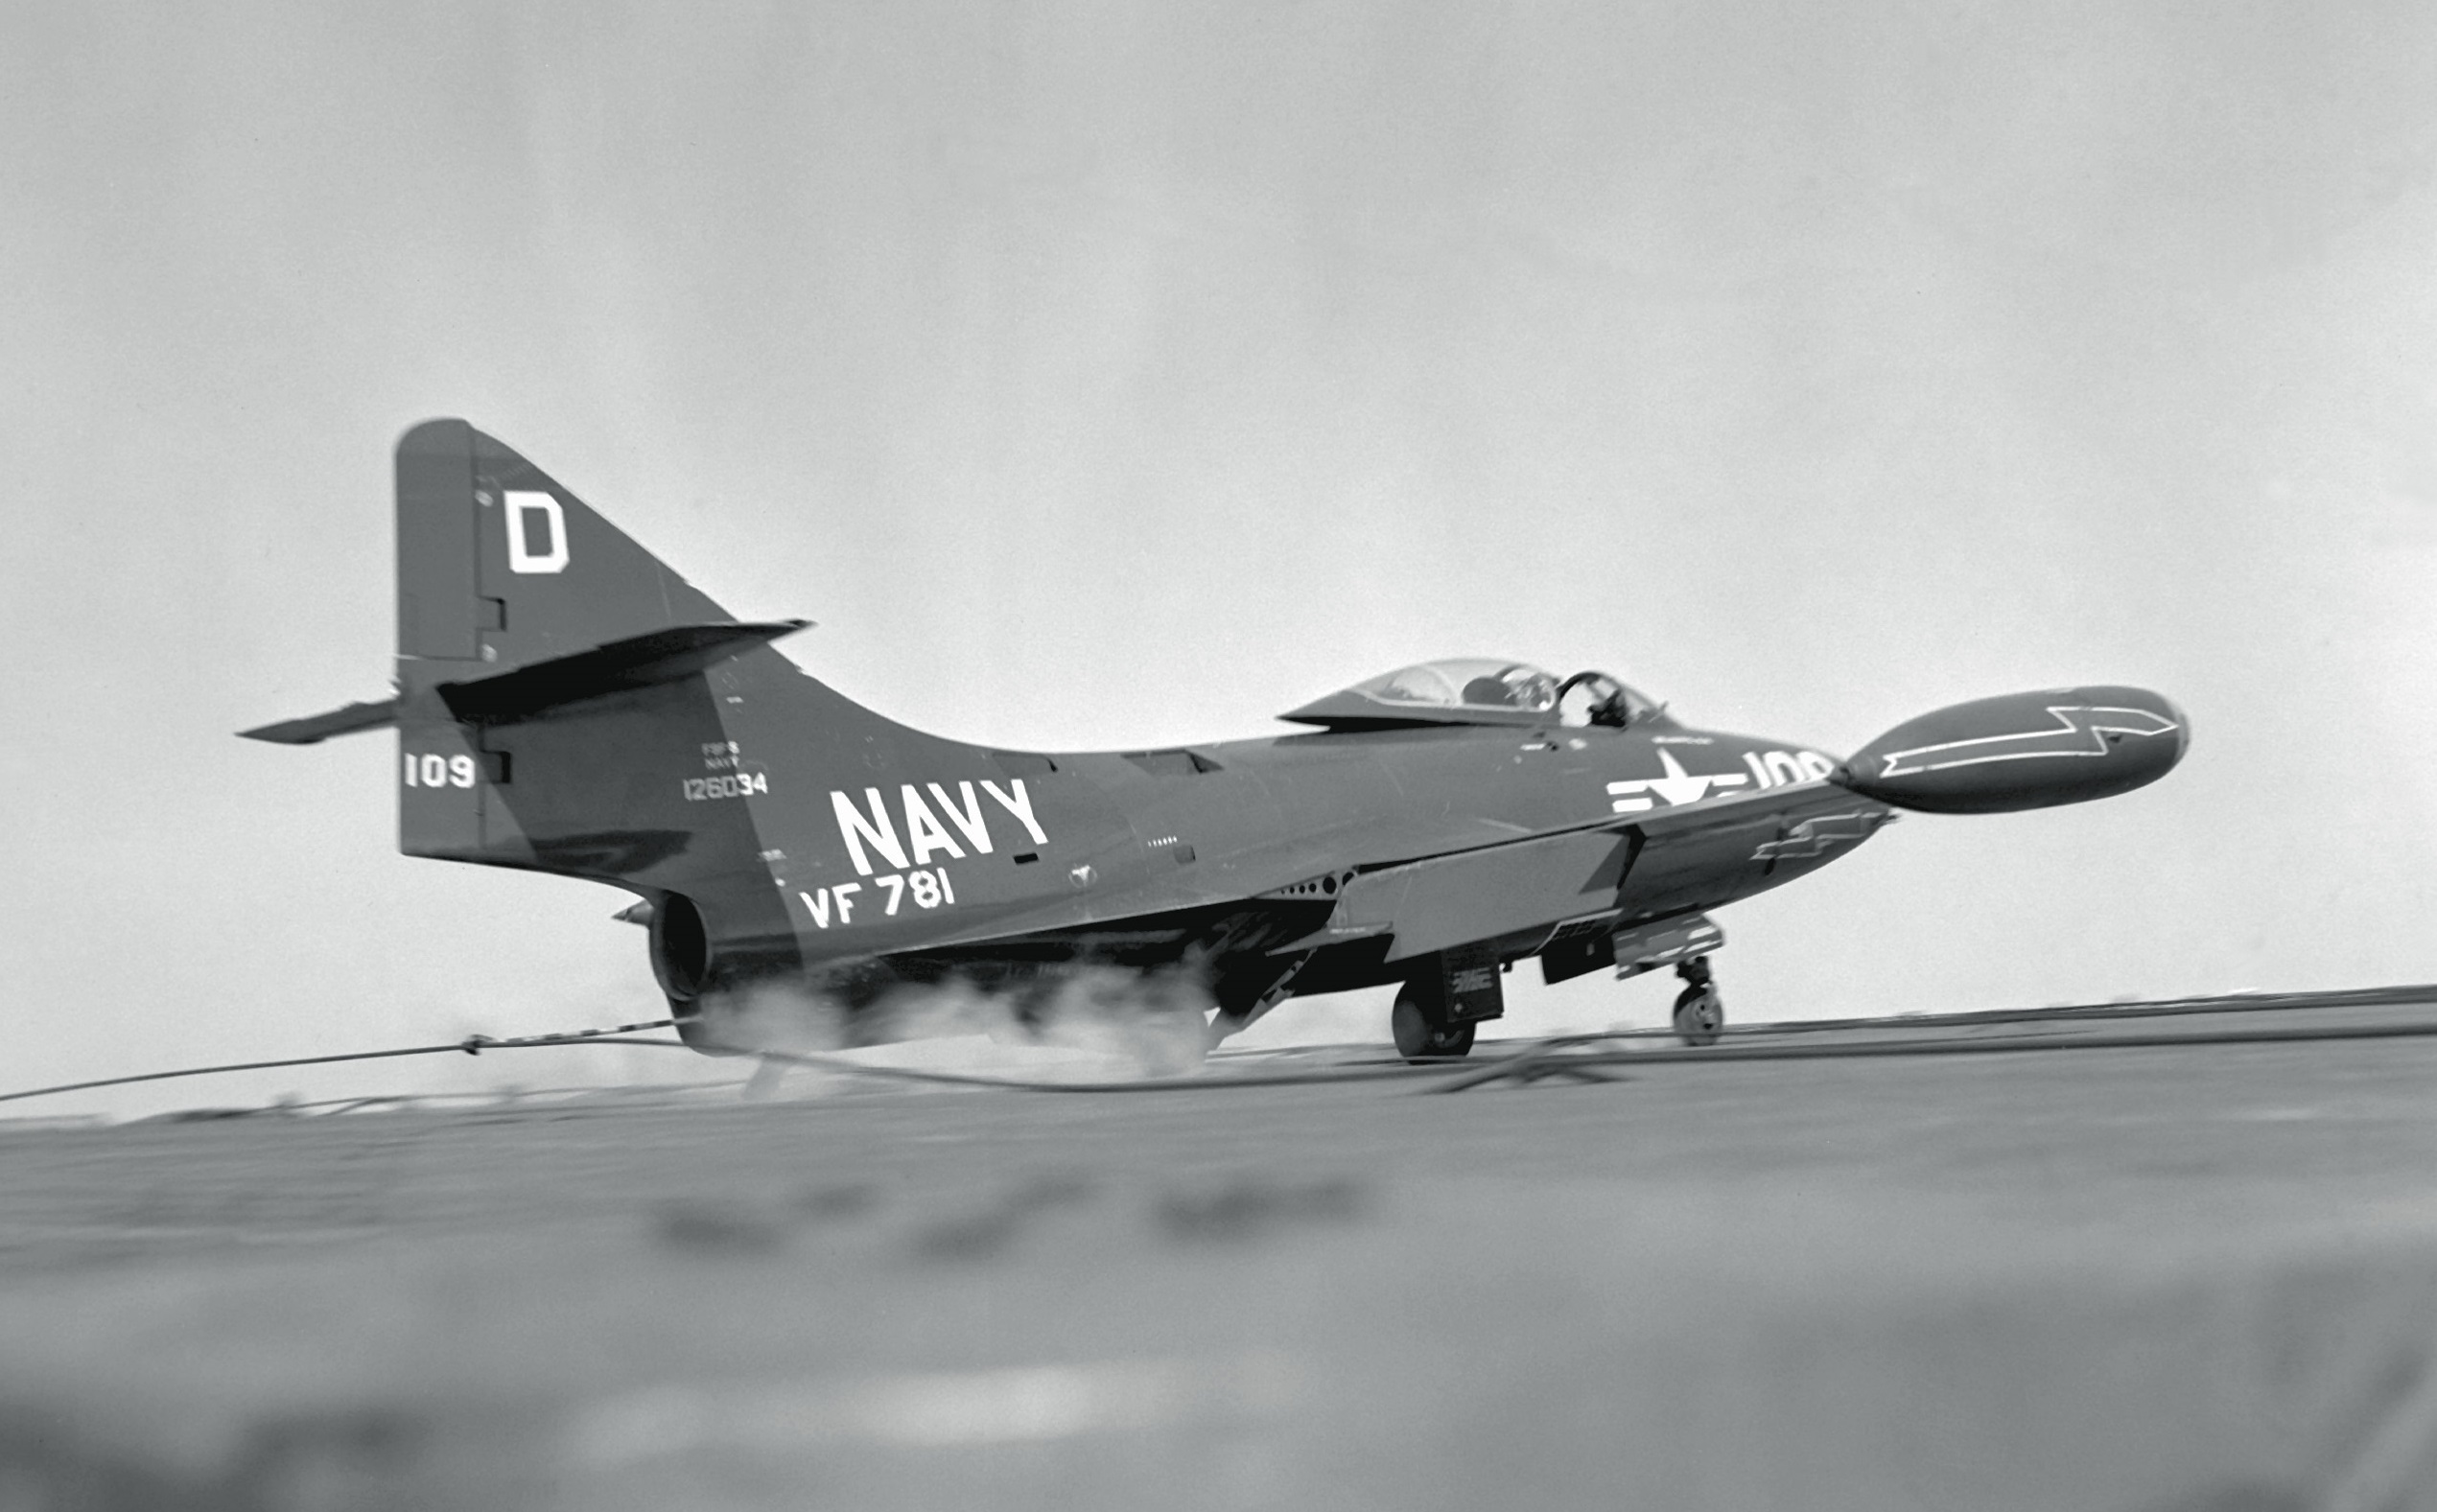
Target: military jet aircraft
(567, 704)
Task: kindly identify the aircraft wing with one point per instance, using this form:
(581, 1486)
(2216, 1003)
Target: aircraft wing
(1439, 884)
(1676, 859)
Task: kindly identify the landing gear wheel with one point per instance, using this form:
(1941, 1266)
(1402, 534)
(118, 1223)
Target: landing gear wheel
(1699, 1014)
(1417, 1039)
(1700, 1011)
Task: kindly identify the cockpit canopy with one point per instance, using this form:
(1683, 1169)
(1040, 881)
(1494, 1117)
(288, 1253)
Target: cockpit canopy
(1476, 690)
(1465, 681)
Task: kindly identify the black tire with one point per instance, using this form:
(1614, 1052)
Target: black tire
(1418, 1040)
(1410, 1030)
(1699, 1014)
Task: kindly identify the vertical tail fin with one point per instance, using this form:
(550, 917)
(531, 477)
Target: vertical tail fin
(501, 568)
(565, 702)
(499, 564)
(555, 692)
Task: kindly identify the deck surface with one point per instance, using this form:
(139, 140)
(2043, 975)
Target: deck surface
(2192, 1278)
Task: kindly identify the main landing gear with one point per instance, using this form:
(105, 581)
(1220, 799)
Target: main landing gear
(1700, 1011)
(1417, 1038)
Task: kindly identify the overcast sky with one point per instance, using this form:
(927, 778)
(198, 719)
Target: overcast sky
(1120, 375)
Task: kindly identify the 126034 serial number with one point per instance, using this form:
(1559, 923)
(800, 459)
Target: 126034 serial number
(745, 784)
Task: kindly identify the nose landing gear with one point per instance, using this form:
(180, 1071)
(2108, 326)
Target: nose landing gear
(1700, 1011)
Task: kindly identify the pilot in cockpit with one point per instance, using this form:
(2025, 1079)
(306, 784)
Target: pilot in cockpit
(1614, 710)
(1595, 698)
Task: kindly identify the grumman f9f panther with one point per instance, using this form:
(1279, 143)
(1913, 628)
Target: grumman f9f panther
(567, 704)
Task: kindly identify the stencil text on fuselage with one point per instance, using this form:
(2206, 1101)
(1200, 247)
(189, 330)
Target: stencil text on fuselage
(931, 821)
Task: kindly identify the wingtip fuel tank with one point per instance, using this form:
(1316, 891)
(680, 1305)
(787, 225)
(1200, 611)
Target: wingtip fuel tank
(2018, 751)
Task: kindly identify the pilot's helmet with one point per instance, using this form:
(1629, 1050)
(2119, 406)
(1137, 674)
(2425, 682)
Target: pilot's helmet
(1490, 691)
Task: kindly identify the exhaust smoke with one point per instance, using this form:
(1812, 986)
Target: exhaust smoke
(1081, 1024)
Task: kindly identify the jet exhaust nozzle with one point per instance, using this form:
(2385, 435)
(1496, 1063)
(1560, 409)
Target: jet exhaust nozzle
(2018, 751)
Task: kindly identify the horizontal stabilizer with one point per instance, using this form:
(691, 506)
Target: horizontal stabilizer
(645, 661)
(317, 727)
